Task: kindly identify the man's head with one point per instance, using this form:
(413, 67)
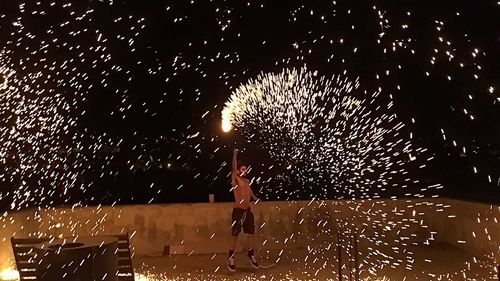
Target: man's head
(242, 169)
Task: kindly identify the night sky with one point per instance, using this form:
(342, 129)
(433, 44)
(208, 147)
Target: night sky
(117, 102)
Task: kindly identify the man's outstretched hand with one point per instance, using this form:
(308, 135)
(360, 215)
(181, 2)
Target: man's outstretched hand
(235, 151)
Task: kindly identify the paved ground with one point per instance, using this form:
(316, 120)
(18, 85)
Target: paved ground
(436, 262)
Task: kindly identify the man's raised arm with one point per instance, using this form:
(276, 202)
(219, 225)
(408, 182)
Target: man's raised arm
(234, 173)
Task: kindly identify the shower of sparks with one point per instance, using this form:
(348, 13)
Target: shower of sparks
(138, 66)
(325, 132)
(42, 151)
(32, 136)
(80, 52)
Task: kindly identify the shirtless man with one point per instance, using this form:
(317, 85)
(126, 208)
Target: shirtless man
(242, 214)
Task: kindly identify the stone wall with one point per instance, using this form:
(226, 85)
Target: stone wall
(473, 227)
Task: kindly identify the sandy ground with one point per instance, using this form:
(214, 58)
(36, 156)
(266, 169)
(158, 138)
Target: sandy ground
(434, 262)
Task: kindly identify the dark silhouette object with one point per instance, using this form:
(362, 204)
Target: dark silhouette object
(25, 256)
(125, 268)
(27, 261)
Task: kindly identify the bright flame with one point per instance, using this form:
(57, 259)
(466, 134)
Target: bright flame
(226, 126)
(9, 274)
(226, 120)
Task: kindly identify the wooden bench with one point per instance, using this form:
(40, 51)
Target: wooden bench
(25, 256)
(125, 268)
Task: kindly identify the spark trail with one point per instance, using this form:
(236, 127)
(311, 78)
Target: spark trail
(324, 131)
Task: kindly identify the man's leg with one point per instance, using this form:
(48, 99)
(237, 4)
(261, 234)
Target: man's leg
(235, 230)
(249, 228)
(251, 241)
(234, 240)
(230, 263)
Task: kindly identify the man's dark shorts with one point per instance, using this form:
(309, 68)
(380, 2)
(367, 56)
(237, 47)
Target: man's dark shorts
(242, 218)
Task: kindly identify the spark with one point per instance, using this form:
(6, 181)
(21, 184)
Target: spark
(337, 136)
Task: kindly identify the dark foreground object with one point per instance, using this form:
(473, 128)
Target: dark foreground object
(105, 258)
(82, 259)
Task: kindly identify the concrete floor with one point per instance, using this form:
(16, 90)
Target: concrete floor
(435, 262)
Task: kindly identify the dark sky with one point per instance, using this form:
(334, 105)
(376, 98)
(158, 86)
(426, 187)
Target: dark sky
(138, 87)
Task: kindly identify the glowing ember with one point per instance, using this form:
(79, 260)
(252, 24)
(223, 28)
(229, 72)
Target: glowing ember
(142, 277)
(9, 275)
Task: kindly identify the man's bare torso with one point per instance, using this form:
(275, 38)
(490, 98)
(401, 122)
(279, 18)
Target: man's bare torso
(242, 193)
